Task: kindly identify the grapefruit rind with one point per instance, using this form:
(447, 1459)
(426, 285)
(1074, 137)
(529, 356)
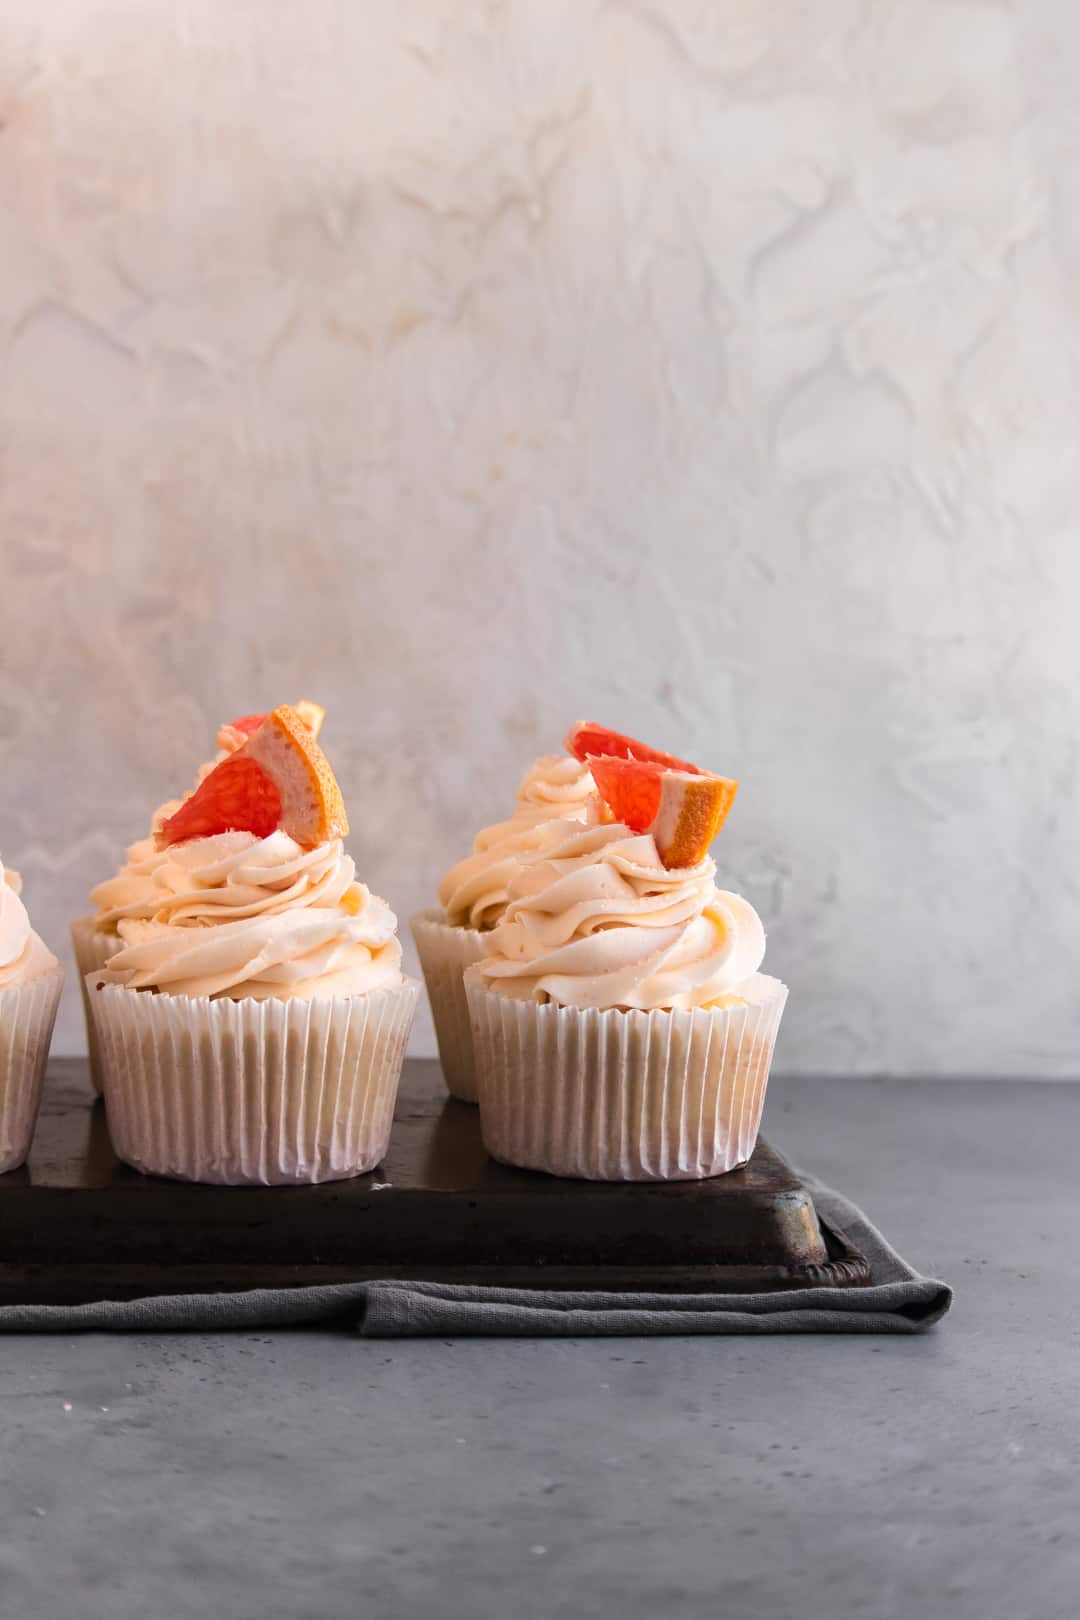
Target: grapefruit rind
(312, 714)
(233, 733)
(692, 811)
(312, 808)
(683, 810)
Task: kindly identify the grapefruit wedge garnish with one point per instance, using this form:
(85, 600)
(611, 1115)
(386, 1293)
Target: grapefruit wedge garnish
(232, 734)
(684, 810)
(588, 740)
(278, 777)
(682, 806)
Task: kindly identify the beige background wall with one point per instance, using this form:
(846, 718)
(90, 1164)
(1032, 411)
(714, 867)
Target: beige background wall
(706, 368)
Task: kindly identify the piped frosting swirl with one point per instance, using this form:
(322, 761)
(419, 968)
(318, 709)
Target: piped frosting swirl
(255, 917)
(555, 790)
(597, 920)
(23, 953)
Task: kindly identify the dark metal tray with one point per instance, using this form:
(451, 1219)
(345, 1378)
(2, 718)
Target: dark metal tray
(76, 1225)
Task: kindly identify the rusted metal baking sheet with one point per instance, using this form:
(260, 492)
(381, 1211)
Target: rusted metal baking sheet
(76, 1225)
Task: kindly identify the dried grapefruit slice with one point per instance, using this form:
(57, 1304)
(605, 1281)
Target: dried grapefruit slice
(587, 738)
(683, 809)
(232, 734)
(279, 777)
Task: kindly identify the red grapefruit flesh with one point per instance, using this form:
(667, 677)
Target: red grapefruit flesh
(588, 739)
(682, 809)
(631, 794)
(237, 796)
(247, 723)
(278, 777)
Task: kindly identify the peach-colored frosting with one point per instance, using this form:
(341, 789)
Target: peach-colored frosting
(133, 891)
(255, 917)
(555, 790)
(23, 954)
(599, 921)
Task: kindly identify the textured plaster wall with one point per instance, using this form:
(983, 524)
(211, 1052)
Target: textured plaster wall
(707, 368)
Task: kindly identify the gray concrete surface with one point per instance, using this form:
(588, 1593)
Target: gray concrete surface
(266, 1475)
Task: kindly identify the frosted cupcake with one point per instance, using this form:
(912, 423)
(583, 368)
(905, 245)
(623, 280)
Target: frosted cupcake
(132, 894)
(30, 983)
(252, 1027)
(622, 1030)
(474, 893)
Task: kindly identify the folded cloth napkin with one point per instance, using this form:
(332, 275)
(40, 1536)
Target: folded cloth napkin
(898, 1300)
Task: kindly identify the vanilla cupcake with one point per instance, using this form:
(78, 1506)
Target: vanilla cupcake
(252, 1026)
(30, 983)
(622, 1030)
(132, 893)
(473, 896)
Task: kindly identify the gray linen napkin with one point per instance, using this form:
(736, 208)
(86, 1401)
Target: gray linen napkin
(899, 1300)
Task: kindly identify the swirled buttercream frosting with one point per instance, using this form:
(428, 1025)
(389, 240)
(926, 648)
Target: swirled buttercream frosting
(23, 954)
(555, 790)
(236, 915)
(599, 921)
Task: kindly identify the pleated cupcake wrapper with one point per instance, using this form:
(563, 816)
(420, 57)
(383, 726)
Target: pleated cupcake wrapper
(445, 952)
(235, 1092)
(623, 1096)
(27, 1016)
(93, 948)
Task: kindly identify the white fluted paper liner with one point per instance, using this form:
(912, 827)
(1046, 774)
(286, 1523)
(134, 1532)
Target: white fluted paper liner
(239, 1092)
(27, 1016)
(623, 1096)
(445, 951)
(92, 947)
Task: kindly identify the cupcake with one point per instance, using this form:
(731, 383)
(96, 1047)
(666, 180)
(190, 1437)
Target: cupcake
(473, 894)
(251, 1025)
(30, 983)
(132, 894)
(622, 1030)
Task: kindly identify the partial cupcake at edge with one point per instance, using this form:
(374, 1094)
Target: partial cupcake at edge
(132, 894)
(251, 1023)
(31, 980)
(556, 789)
(622, 1030)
